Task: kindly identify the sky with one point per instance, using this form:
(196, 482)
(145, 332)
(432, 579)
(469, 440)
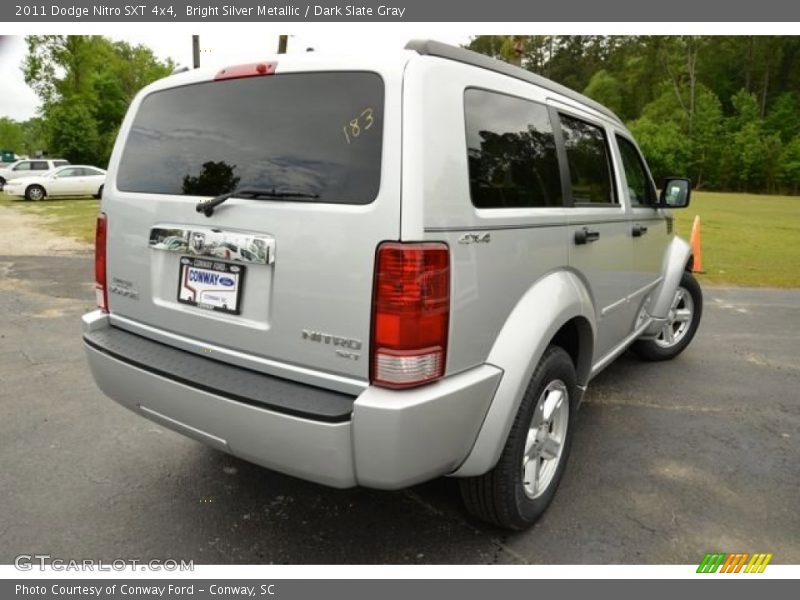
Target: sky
(19, 102)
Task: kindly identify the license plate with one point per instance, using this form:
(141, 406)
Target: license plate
(210, 284)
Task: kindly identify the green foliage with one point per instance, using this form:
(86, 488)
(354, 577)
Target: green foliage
(85, 84)
(24, 138)
(789, 169)
(11, 135)
(73, 132)
(662, 145)
(606, 89)
(723, 110)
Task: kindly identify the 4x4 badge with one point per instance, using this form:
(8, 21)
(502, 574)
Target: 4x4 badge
(475, 238)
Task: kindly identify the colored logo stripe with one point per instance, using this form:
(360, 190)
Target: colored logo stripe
(734, 563)
(711, 562)
(759, 561)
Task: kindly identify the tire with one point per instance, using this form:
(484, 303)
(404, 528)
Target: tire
(2, 184)
(34, 192)
(508, 495)
(682, 323)
(99, 193)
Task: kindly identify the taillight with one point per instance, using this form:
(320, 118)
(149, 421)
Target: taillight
(100, 284)
(248, 70)
(410, 314)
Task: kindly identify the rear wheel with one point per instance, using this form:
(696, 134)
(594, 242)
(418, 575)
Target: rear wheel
(34, 192)
(99, 193)
(680, 326)
(2, 183)
(519, 489)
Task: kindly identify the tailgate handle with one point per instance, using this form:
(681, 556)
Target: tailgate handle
(236, 246)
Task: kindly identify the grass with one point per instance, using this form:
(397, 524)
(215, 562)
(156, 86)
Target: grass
(72, 217)
(747, 239)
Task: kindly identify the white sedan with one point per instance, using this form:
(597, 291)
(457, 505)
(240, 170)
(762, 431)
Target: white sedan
(72, 180)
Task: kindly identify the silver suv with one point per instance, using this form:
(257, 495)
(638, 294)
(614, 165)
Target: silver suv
(377, 271)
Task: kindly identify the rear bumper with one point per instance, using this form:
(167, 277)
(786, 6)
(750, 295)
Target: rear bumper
(382, 438)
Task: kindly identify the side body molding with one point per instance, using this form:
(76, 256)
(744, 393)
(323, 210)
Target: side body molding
(551, 302)
(675, 259)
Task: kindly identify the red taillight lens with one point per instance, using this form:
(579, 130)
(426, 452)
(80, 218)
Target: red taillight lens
(410, 314)
(100, 284)
(249, 70)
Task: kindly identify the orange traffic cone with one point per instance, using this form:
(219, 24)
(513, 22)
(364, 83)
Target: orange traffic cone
(697, 253)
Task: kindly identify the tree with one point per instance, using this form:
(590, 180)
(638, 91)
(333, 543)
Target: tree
(606, 89)
(11, 135)
(663, 145)
(789, 168)
(724, 110)
(85, 84)
(783, 118)
(73, 133)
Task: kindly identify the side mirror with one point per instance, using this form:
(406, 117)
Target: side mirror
(675, 193)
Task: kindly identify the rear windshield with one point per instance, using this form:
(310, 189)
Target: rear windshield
(318, 135)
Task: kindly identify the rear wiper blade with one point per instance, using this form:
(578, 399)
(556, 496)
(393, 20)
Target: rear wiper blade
(207, 206)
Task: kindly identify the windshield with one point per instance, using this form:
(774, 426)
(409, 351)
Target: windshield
(318, 135)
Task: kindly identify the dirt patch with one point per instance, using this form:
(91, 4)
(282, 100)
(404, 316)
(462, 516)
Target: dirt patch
(24, 235)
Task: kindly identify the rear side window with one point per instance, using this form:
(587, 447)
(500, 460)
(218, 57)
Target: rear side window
(588, 160)
(511, 152)
(60, 163)
(312, 134)
(640, 188)
(40, 165)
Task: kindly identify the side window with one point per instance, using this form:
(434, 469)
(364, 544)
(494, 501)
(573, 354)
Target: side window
(39, 165)
(511, 152)
(63, 173)
(23, 166)
(589, 162)
(640, 188)
(60, 163)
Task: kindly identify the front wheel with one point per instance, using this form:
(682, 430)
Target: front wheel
(519, 489)
(34, 192)
(681, 324)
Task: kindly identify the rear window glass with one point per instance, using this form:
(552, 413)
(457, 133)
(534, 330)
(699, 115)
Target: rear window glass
(511, 152)
(314, 134)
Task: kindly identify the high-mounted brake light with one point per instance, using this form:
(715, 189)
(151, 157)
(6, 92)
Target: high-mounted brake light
(100, 284)
(248, 70)
(410, 314)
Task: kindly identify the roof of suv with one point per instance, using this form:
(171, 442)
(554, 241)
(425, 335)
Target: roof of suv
(438, 49)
